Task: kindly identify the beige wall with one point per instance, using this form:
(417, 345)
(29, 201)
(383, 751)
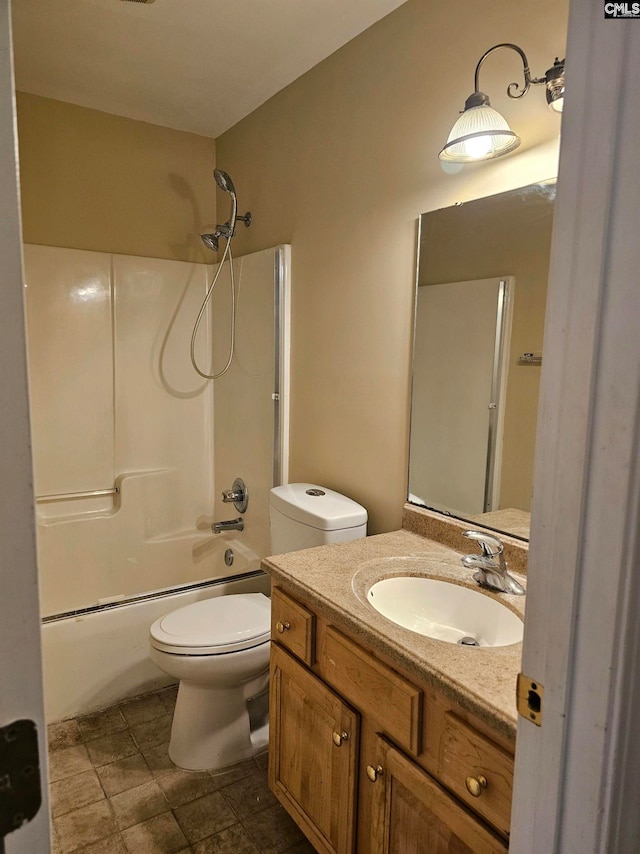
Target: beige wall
(340, 164)
(90, 180)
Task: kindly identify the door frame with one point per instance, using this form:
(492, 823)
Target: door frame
(575, 784)
(20, 654)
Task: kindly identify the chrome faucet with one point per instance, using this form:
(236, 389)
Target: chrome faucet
(229, 525)
(490, 565)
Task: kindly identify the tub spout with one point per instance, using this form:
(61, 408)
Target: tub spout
(229, 525)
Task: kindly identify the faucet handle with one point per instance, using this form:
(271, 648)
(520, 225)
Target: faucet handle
(238, 495)
(491, 546)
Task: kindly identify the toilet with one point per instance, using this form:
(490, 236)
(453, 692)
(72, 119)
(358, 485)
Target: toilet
(219, 648)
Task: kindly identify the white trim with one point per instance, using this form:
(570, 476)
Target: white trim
(581, 635)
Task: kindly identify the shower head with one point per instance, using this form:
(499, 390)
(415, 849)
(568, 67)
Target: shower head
(210, 240)
(224, 181)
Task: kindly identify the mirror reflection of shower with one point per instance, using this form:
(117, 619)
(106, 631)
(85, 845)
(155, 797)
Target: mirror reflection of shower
(211, 241)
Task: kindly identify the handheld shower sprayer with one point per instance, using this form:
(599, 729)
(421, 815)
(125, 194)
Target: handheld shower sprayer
(228, 229)
(211, 241)
(223, 180)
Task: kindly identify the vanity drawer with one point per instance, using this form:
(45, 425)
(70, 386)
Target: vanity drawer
(390, 699)
(477, 771)
(292, 626)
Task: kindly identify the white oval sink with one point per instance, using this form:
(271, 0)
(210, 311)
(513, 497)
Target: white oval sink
(447, 612)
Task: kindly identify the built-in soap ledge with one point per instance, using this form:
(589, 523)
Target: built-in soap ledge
(448, 531)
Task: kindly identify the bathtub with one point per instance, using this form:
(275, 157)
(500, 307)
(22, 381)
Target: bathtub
(97, 657)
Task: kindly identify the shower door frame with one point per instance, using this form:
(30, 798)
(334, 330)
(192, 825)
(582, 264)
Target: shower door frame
(282, 324)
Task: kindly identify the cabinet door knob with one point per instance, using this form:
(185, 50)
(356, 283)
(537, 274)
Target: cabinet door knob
(475, 785)
(282, 627)
(339, 737)
(373, 772)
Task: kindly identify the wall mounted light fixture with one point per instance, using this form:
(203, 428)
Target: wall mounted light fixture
(481, 133)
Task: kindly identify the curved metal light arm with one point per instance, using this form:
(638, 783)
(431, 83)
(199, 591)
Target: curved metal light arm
(513, 89)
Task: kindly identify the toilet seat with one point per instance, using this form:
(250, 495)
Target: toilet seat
(216, 626)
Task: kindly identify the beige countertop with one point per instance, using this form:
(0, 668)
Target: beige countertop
(334, 579)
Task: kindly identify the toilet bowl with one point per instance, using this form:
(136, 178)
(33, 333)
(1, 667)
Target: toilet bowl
(219, 650)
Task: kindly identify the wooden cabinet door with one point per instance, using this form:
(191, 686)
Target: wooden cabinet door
(412, 814)
(313, 753)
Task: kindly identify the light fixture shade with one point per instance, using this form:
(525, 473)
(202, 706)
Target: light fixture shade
(480, 133)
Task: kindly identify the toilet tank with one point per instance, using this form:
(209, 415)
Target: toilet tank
(303, 515)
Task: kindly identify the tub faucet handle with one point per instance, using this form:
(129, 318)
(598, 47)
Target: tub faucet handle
(238, 495)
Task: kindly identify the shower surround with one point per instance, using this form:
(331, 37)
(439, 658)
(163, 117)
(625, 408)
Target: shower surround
(132, 448)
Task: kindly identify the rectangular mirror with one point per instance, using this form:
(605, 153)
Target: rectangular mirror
(480, 305)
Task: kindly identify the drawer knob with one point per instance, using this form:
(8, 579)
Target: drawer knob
(282, 627)
(475, 785)
(339, 737)
(373, 772)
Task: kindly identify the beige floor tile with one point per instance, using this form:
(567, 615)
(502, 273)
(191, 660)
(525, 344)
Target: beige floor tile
(302, 847)
(55, 842)
(226, 776)
(262, 761)
(231, 840)
(249, 795)
(63, 734)
(204, 817)
(71, 793)
(111, 748)
(157, 758)
(180, 787)
(272, 830)
(152, 733)
(108, 845)
(84, 826)
(230, 811)
(159, 835)
(142, 709)
(67, 762)
(137, 805)
(101, 723)
(124, 774)
(168, 698)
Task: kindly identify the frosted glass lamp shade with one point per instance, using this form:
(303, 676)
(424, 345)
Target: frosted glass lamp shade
(480, 133)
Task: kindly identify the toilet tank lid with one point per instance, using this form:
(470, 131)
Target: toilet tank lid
(317, 506)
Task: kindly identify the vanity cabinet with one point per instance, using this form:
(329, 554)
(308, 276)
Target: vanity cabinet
(314, 741)
(411, 813)
(367, 760)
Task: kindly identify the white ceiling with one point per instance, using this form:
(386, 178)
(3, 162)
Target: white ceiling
(195, 65)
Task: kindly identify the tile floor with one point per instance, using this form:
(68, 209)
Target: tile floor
(114, 790)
